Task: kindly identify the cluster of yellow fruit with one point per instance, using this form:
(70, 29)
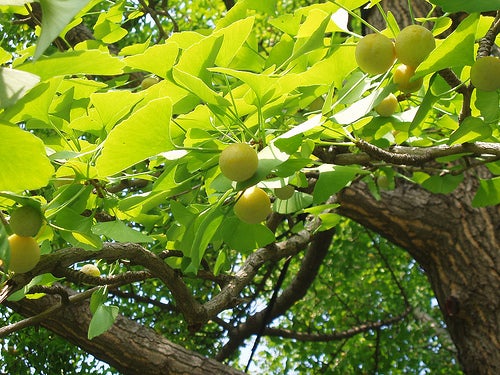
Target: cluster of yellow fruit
(376, 53)
(25, 223)
(239, 162)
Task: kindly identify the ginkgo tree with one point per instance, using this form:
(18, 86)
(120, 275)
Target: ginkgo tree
(127, 178)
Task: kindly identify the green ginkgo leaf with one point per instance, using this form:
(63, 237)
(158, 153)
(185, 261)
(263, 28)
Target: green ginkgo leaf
(142, 135)
(24, 164)
(102, 320)
(14, 84)
(56, 15)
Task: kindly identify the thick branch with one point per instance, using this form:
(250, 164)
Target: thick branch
(403, 155)
(128, 346)
(51, 263)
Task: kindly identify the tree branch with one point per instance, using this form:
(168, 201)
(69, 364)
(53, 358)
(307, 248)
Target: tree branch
(128, 346)
(298, 287)
(403, 155)
(272, 252)
(336, 336)
(40, 317)
(488, 41)
(190, 308)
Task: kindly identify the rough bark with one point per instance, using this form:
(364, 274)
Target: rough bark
(458, 246)
(128, 346)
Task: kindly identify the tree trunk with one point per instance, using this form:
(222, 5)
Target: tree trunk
(128, 346)
(457, 246)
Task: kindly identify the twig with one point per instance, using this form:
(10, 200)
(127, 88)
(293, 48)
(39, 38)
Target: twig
(486, 43)
(401, 155)
(269, 309)
(4, 331)
(336, 336)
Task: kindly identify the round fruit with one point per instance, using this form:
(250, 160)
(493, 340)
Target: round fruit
(285, 192)
(387, 106)
(383, 182)
(91, 270)
(375, 54)
(26, 221)
(24, 253)
(148, 82)
(413, 44)
(402, 77)
(485, 73)
(253, 206)
(238, 162)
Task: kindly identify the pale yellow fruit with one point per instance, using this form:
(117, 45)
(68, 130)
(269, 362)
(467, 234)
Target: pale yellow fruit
(285, 192)
(485, 73)
(387, 106)
(402, 77)
(238, 162)
(148, 82)
(91, 270)
(253, 206)
(26, 221)
(375, 54)
(413, 44)
(24, 253)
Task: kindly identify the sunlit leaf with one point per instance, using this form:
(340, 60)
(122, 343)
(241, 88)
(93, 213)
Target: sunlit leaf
(119, 231)
(470, 130)
(142, 135)
(197, 58)
(198, 87)
(24, 164)
(311, 33)
(157, 59)
(75, 62)
(456, 50)
(234, 36)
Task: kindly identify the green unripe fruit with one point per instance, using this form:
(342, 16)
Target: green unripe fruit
(485, 73)
(253, 206)
(375, 54)
(24, 253)
(91, 270)
(413, 44)
(238, 162)
(402, 77)
(383, 182)
(387, 106)
(26, 221)
(148, 82)
(285, 192)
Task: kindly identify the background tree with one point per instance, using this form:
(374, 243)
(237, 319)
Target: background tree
(127, 178)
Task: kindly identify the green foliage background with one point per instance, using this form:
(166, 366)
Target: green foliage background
(255, 74)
